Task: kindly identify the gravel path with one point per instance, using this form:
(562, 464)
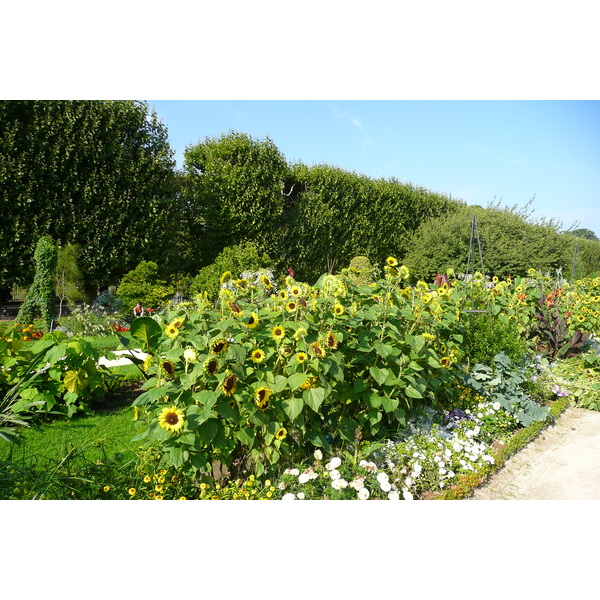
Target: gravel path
(562, 463)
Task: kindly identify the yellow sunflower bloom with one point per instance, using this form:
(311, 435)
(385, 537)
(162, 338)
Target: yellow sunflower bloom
(252, 321)
(278, 333)
(338, 309)
(219, 346)
(301, 357)
(225, 277)
(261, 397)
(171, 330)
(210, 366)
(281, 433)
(257, 355)
(229, 385)
(317, 350)
(391, 261)
(171, 419)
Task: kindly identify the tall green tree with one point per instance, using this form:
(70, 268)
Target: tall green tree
(68, 281)
(99, 174)
(235, 191)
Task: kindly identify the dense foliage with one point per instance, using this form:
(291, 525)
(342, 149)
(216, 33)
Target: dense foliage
(95, 173)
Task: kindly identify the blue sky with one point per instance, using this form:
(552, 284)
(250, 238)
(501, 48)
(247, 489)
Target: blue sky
(478, 151)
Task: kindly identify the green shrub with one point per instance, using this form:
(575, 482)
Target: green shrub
(143, 285)
(361, 271)
(235, 259)
(485, 336)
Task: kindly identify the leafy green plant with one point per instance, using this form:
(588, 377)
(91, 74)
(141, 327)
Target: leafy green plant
(504, 383)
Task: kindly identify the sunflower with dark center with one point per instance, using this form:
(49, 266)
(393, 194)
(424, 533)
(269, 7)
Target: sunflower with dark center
(229, 384)
(281, 433)
(168, 367)
(445, 361)
(178, 322)
(257, 355)
(291, 306)
(332, 343)
(278, 333)
(262, 397)
(266, 282)
(252, 322)
(283, 294)
(219, 346)
(317, 349)
(171, 419)
(171, 330)
(391, 261)
(235, 309)
(301, 357)
(210, 366)
(338, 309)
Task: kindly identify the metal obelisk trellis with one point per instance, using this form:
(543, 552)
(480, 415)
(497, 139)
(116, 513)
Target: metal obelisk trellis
(468, 303)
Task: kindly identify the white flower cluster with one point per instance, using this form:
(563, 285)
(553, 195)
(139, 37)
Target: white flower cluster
(435, 457)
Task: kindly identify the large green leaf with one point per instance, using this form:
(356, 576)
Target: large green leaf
(314, 397)
(76, 381)
(148, 331)
(293, 407)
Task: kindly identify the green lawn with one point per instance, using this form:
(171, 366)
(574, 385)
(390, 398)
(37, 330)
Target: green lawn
(108, 433)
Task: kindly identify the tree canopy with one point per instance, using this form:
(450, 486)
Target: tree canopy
(99, 174)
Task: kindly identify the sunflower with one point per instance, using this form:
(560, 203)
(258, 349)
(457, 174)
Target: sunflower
(257, 355)
(171, 330)
(301, 357)
(317, 349)
(210, 366)
(331, 342)
(178, 322)
(261, 397)
(391, 261)
(291, 306)
(338, 309)
(283, 294)
(131, 491)
(309, 383)
(295, 291)
(300, 333)
(168, 368)
(278, 333)
(147, 363)
(445, 361)
(235, 309)
(266, 282)
(229, 384)
(281, 433)
(171, 419)
(190, 355)
(219, 346)
(580, 318)
(252, 321)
